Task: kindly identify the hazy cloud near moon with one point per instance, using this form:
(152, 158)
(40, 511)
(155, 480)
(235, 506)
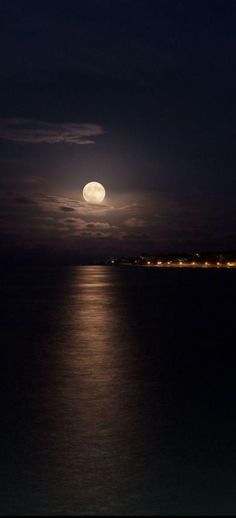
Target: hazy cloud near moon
(30, 131)
(121, 226)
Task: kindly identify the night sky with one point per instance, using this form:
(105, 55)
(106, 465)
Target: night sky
(136, 94)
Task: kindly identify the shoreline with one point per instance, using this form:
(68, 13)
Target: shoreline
(181, 266)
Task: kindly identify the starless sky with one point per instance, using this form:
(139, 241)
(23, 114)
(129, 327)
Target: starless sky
(136, 94)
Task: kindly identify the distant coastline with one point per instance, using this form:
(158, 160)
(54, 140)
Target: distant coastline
(195, 260)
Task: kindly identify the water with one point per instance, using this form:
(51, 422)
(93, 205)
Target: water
(117, 391)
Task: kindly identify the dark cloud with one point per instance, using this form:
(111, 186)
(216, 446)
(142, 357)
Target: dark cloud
(30, 131)
(136, 222)
(98, 224)
(67, 209)
(24, 200)
(33, 180)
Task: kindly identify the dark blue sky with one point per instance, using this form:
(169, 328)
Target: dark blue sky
(152, 85)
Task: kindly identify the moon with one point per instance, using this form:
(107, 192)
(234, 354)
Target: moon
(94, 192)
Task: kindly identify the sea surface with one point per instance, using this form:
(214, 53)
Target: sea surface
(117, 391)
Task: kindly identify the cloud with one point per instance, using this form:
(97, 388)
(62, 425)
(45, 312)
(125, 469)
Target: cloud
(67, 209)
(30, 131)
(24, 200)
(136, 222)
(34, 180)
(98, 224)
(42, 219)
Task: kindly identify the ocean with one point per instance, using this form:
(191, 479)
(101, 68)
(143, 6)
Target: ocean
(117, 391)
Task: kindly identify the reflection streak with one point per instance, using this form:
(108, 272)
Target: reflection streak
(97, 399)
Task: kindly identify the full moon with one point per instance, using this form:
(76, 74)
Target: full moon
(94, 192)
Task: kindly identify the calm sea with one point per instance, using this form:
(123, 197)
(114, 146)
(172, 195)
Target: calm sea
(117, 391)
